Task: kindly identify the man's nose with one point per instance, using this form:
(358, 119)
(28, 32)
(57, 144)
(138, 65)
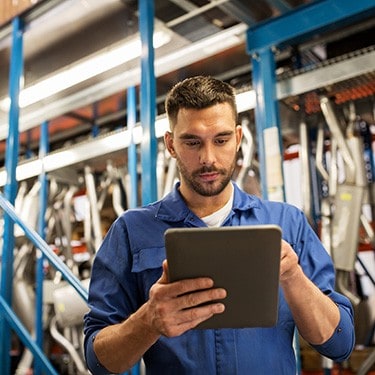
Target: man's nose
(207, 155)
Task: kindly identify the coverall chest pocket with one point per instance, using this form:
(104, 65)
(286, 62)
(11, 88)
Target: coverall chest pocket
(147, 264)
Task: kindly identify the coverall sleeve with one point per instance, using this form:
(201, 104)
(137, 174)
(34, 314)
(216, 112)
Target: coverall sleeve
(110, 301)
(318, 266)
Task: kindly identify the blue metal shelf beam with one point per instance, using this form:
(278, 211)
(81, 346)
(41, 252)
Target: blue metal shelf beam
(315, 17)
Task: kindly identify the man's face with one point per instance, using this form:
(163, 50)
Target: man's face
(204, 143)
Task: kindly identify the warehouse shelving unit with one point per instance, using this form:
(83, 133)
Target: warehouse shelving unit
(330, 73)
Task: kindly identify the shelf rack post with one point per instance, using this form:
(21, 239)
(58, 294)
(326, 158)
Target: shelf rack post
(268, 125)
(10, 189)
(43, 200)
(132, 149)
(148, 102)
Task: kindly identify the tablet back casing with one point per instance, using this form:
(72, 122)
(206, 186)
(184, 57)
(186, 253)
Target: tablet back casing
(245, 260)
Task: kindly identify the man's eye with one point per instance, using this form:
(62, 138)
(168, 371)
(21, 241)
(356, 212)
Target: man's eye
(221, 141)
(192, 143)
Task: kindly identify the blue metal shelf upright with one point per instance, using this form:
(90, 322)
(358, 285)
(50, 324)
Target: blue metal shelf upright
(10, 190)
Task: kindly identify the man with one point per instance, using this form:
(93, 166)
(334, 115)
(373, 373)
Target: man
(136, 313)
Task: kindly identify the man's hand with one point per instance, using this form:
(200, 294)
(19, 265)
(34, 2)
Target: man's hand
(177, 307)
(315, 314)
(173, 308)
(289, 262)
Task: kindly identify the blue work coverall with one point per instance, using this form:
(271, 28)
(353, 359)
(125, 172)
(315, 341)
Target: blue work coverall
(130, 260)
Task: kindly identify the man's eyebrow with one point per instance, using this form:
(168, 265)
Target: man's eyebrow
(194, 136)
(226, 133)
(188, 136)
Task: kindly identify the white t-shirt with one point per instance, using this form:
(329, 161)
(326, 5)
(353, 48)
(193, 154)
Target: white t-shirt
(217, 218)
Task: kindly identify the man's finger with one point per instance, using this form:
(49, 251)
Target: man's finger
(164, 279)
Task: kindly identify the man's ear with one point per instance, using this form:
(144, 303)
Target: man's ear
(168, 141)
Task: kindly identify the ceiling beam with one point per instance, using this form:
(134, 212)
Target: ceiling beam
(239, 11)
(193, 12)
(317, 16)
(326, 75)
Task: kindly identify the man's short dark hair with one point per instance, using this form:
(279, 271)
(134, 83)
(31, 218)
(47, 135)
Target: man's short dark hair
(198, 93)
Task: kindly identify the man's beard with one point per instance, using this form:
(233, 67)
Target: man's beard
(206, 189)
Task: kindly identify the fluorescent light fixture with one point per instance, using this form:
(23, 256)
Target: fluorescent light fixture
(85, 69)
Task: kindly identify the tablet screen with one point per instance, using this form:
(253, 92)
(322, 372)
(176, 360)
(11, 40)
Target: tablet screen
(245, 260)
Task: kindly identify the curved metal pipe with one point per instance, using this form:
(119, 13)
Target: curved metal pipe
(91, 192)
(25, 363)
(305, 169)
(116, 199)
(320, 153)
(335, 128)
(247, 150)
(341, 282)
(68, 346)
(23, 294)
(333, 170)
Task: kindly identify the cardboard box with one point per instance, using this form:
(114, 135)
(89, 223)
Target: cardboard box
(12, 8)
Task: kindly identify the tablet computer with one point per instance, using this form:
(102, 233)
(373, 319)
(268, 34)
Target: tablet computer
(245, 260)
